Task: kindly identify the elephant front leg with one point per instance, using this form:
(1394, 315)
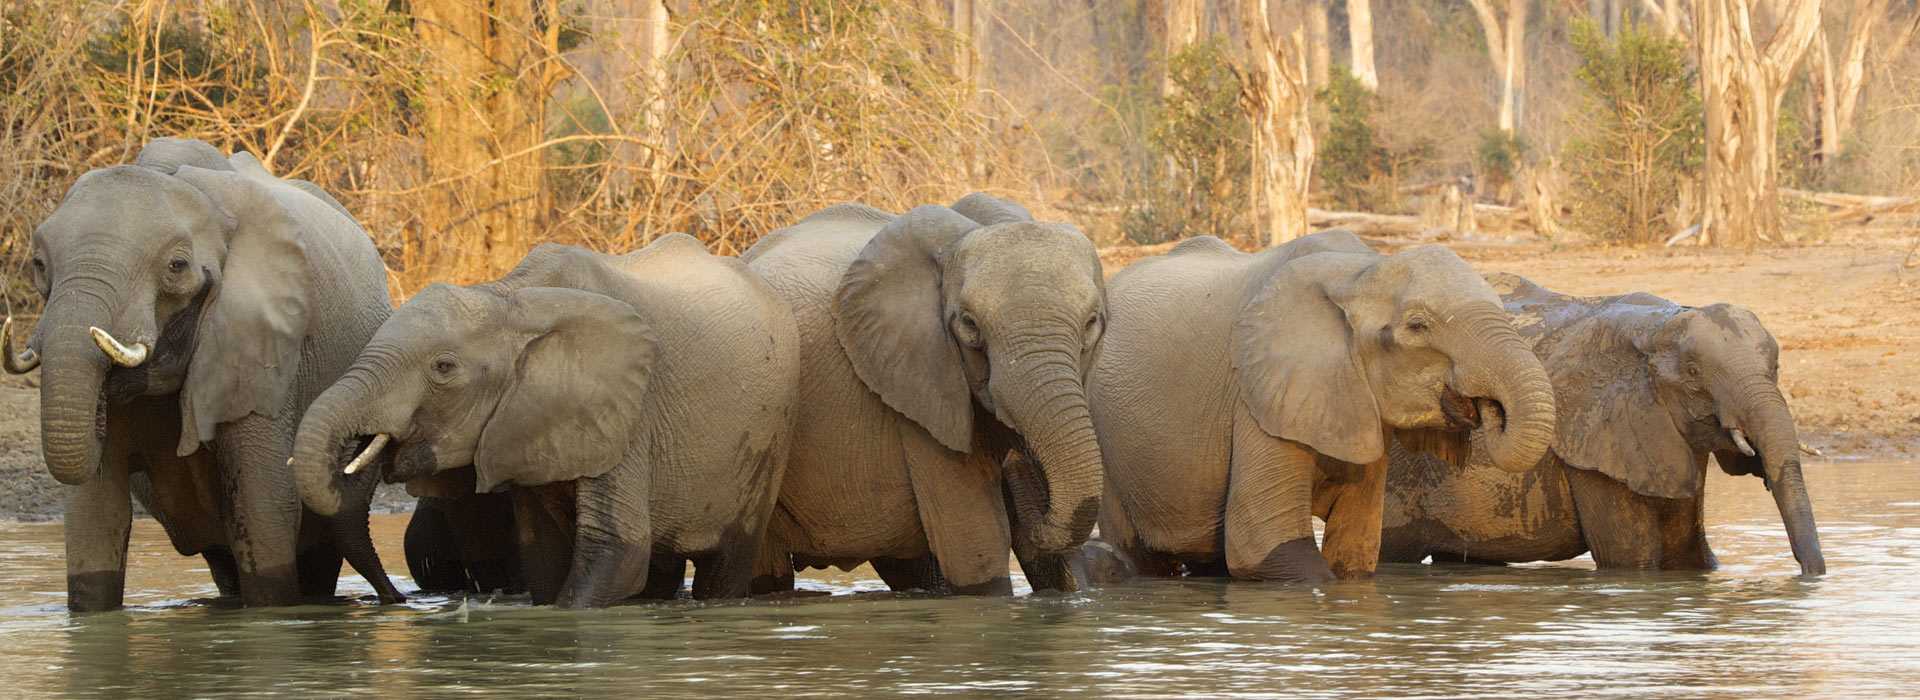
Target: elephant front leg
(613, 541)
(1350, 498)
(1022, 481)
(262, 508)
(1269, 517)
(98, 519)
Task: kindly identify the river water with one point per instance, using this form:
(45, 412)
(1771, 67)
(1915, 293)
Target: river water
(1752, 628)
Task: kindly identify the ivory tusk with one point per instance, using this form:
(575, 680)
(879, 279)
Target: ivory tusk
(373, 450)
(1740, 441)
(16, 364)
(1811, 451)
(120, 354)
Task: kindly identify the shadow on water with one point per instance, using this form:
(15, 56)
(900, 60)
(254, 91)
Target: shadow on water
(1751, 628)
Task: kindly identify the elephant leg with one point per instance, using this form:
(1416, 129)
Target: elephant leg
(613, 540)
(1044, 572)
(917, 574)
(666, 575)
(728, 571)
(543, 519)
(433, 555)
(319, 567)
(1269, 518)
(773, 565)
(483, 535)
(1621, 527)
(98, 520)
(1683, 544)
(263, 509)
(1206, 568)
(1118, 530)
(1350, 498)
(963, 512)
(226, 573)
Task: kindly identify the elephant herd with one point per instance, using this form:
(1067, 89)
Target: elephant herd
(925, 392)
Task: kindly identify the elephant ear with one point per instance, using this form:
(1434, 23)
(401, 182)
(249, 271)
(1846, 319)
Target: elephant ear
(1295, 357)
(247, 348)
(168, 154)
(572, 407)
(1610, 416)
(989, 210)
(892, 323)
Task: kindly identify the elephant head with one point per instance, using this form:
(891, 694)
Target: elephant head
(528, 386)
(942, 313)
(1647, 388)
(1332, 346)
(173, 275)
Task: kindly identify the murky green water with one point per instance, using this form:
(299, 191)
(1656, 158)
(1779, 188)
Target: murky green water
(1750, 629)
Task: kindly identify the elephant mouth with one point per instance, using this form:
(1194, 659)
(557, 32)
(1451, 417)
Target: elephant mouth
(1464, 413)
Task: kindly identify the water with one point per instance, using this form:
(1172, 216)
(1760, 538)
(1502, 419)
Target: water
(1751, 628)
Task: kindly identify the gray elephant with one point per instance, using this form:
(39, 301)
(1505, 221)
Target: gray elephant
(1239, 395)
(635, 407)
(1647, 389)
(935, 343)
(195, 305)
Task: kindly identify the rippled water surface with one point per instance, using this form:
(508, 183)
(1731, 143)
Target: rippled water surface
(1751, 628)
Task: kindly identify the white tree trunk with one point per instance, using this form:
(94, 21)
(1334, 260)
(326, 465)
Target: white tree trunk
(1360, 40)
(1840, 82)
(1319, 44)
(1506, 38)
(1185, 23)
(1275, 91)
(1742, 81)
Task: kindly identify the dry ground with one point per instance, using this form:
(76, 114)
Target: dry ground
(1847, 315)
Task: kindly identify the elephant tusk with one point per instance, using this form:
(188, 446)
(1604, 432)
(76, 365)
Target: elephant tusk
(1811, 451)
(373, 450)
(1740, 441)
(16, 364)
(120, 354)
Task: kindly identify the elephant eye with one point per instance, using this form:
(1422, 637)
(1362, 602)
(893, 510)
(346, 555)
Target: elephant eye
(968, 331)
(176, 265)
(444, 366)
(1418, 325)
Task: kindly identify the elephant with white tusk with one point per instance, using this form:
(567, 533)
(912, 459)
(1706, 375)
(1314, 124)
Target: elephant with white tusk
(195, 305)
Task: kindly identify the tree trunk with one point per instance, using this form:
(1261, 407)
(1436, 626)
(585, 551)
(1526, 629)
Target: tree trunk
(1273, 86)
(1742, 81)
(631, 40)
(483, 117)
(1319, 44)
(1360, 41)
(1840, 83)
(1506, 50)
(1185, 20)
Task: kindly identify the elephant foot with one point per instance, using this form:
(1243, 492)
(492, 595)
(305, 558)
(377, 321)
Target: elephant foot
(1295, 561)
(225, 571)
(273, 587)
(95, 591)
(771, 583)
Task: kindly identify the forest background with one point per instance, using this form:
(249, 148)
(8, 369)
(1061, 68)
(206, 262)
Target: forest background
(463, 132)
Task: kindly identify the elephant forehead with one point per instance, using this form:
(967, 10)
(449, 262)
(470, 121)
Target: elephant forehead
(1027, 253)
(124, 201)
(446, 303)
(1434, 274)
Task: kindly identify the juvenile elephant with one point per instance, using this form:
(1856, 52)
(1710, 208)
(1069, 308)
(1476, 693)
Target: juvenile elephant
(635, 407)
(195, 305)
(1646, 390)
(934, 344)
(1239, 395)
(464, 543)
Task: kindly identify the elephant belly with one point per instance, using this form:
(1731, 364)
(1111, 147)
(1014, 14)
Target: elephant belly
(1481, 513)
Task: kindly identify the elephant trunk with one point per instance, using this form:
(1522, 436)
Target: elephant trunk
(1047, 404)
(316, 448)
(1503, 367)
(1771, 425)
(72, 372)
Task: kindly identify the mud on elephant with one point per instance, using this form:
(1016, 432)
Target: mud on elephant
(1647, 389)
(194, 305)
(935, 343)
(636, 408)
(1237, 396)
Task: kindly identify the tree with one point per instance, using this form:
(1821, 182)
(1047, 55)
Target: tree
(483, 125)
(631, 37)
(1360, 42)
(1507, 50)
(1274, 90)
(1839, 83)
(1742, 80)
(1185, 21)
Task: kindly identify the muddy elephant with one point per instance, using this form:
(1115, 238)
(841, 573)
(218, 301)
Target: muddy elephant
(636, 408)
(1647, 389)
(195, 304)
(1238, 395)
(935, 343)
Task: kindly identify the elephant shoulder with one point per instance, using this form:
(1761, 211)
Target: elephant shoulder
(167, 154)
(1202, 245)
(1192, 261)
(665, 253)
(835, 227)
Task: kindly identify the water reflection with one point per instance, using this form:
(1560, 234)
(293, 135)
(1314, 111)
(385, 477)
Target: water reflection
(1752, 628)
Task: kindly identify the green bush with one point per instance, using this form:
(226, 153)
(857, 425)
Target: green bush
(1349, 159)
(1198, 185)
(1637, 143)
(1497, 159)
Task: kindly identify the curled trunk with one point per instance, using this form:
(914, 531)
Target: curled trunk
(316, 449)
(72, 373)
(1047, 403)
(1501, 366)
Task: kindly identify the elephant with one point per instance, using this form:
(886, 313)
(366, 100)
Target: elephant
(635, 408)
(934, 344)
(195, 304)
(1237, 396)
(1647, 389)
(464, 544)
